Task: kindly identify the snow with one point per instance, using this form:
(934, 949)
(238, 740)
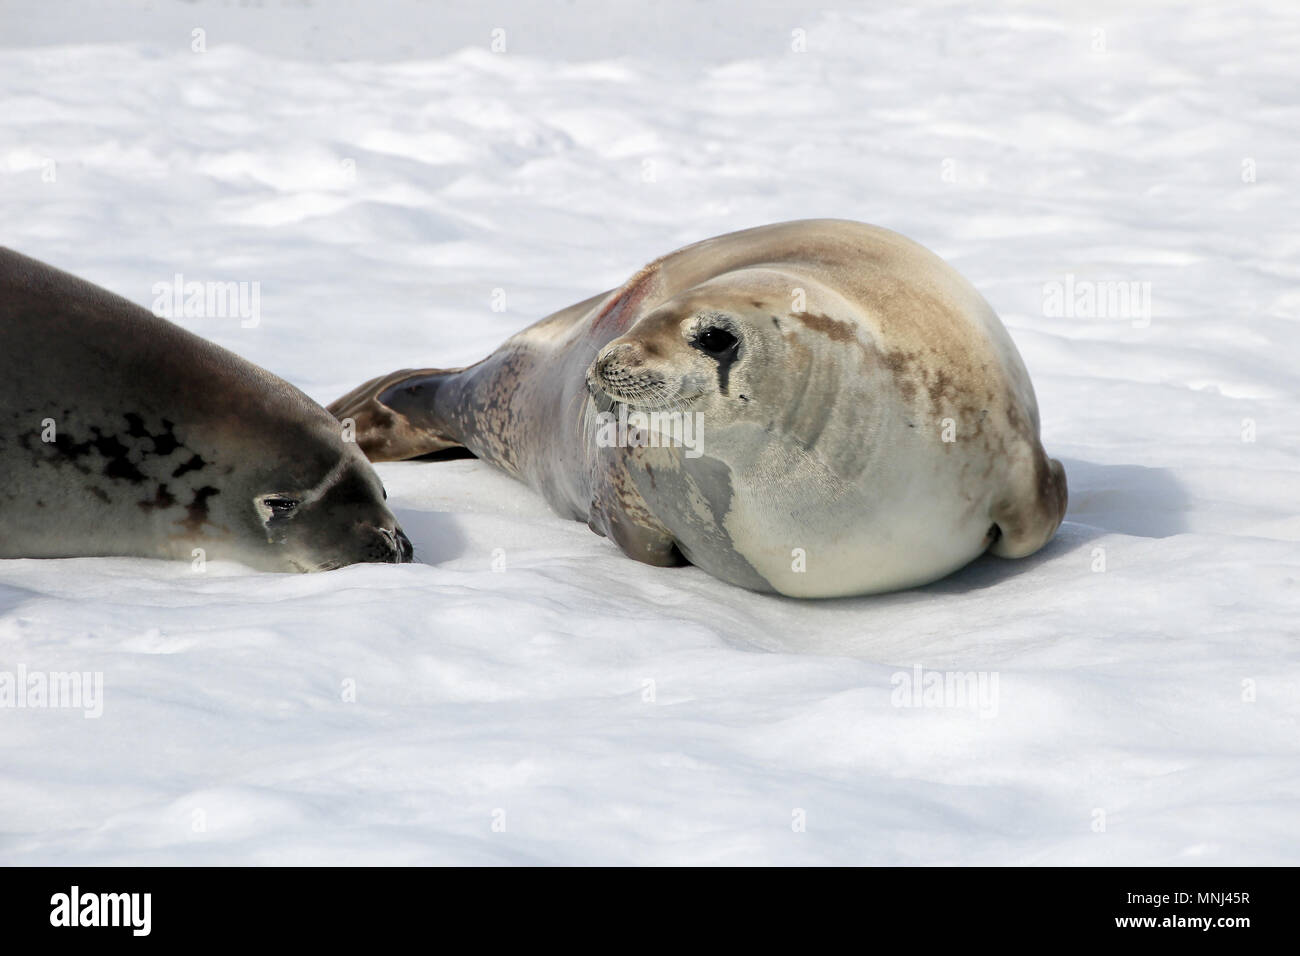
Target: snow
(527, 695)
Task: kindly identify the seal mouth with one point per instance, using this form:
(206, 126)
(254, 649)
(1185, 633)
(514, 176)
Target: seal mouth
(653, 402)
(649, 398)
(302, 568)
(396, 549)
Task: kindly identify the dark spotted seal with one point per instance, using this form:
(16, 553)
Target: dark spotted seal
(123, 434)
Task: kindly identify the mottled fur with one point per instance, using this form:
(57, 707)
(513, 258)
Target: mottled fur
(123, 434)
(825, 468)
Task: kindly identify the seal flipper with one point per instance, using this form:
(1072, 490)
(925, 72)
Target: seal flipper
(1033, 508)
(395, 416)
(649, 543)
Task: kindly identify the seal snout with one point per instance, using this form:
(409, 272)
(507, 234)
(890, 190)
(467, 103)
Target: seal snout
(620, 371)
(618, 361)
(393, 548)
(399, 548)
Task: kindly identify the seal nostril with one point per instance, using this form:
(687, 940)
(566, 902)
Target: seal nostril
(618, 358)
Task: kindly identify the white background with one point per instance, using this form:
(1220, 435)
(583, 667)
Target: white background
(380, 172)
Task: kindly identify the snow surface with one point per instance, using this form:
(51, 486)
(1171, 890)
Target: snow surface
(380, 175)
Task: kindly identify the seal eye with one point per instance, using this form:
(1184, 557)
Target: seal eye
(715, 341)
(278, 506)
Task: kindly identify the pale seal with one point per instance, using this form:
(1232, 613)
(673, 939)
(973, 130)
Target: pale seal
(123, 434)
(863, 421)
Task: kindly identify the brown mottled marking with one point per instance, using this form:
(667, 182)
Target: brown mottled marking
(899, 365)
(833, 329)
(162, 499)
(975, 417)
(196, 512)
(939, 387)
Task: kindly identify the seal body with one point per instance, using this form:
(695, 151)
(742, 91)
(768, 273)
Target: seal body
(123, 434)
(860, 419)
